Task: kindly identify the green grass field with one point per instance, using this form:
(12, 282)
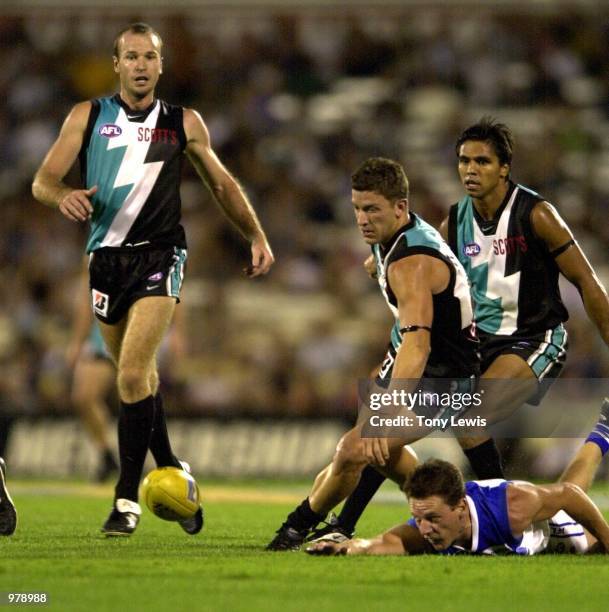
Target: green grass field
(58, 549)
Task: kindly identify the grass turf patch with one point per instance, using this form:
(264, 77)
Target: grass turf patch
(58, 549)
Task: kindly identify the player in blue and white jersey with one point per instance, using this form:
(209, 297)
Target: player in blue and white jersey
(495, 516)
(131, 146)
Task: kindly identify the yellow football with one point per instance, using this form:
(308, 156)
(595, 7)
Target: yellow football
(170, 493)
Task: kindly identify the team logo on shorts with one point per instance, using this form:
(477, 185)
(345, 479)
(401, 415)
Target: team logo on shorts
(110, 130)
(100, 302)
(157, 276)
(471, 250)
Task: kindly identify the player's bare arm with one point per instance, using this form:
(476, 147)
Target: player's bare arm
(573, 264)
(528, 503)
(412, 281)
(400, 540)
(227, 191)
(48, 186)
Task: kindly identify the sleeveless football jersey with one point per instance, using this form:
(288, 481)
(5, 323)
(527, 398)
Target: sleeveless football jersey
(454, 347)
(491, 532)
(135, 159)
(514, 278)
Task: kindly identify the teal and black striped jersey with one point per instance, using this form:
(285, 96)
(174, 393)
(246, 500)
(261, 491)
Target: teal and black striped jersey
(454, 346)
(513, 275)
(135, 159)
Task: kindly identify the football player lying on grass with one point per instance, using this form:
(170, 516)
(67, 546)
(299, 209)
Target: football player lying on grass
(490, 516)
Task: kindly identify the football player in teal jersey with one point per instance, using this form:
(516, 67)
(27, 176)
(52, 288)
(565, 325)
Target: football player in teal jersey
(131, 147)
(432, 338)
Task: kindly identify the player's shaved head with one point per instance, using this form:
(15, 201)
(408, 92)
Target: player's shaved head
(136, 28)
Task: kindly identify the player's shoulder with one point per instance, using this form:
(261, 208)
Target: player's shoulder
(78, 116)
(169, 107)
(519, 492)
(419, 233)
(194, 126)
(82, 109)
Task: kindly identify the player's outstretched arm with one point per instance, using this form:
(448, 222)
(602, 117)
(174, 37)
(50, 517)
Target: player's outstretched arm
(48, 186)
(227, 191)
(529, 503)
(401, 540)
(572, 262)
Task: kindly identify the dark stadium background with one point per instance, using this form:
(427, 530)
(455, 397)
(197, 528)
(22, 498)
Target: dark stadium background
(295, 96)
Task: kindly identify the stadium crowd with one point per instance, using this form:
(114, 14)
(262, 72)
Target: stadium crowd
(294, 101)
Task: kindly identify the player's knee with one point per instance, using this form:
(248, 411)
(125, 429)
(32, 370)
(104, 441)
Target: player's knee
(80, 398)
(153, 380)
(133, 383)
(349, 453)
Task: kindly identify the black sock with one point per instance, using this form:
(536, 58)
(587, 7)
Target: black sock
(108, 459)
(160, 446)
(304, 518)
(356, 503)
(134, 429)
(485, 460)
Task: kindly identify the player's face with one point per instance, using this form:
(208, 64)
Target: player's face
(377, 217)
(438, 522)
(480, 171)
(139, 64)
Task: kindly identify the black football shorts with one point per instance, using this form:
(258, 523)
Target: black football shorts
(118, 277)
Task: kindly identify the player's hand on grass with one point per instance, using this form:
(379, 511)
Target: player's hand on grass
(262, 258)
(76, 205)
(327, 549)
(376, 450)
(370, 267)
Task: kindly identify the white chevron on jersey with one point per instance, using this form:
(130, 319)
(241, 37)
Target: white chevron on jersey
(132, 171)
(499, 287)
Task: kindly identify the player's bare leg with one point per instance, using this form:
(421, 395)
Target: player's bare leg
(147, 323)
(334, 483)
(93, 379)
(134, 343)
(507, 384)
(343, 475)
(582, 468)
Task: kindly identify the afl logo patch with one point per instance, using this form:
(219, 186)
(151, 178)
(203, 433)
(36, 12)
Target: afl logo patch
(110, 130)
(471, 250)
